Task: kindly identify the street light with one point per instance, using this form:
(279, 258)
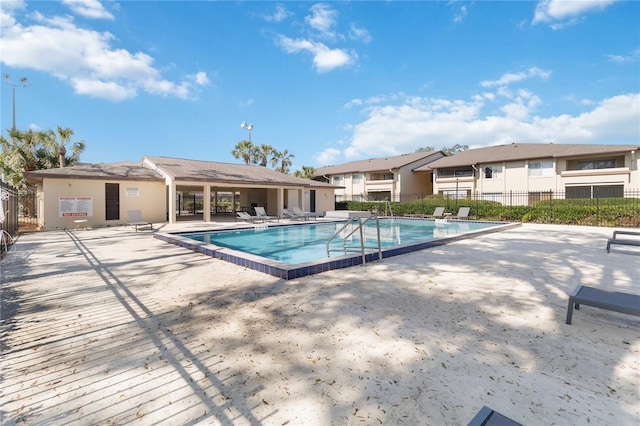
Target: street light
(22, 82)
(247, 126)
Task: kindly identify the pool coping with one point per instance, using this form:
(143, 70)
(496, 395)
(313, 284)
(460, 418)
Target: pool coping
(287, 272)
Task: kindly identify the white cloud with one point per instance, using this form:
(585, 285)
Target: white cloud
(400, 128)
(86, 59)
(620, 59)
(328, 157)
(361, 34)
(460, 14)
(510, 78)
(324, 58)
(281, 13)
(322, 19)
(561, 13)
(89, 9)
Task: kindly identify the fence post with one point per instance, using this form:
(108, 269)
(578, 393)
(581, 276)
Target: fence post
(597, 211)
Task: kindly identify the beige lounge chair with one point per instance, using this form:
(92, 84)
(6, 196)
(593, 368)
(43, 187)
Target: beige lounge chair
(437, 213)
(291, 215)
(298, 212)
(244, 216)
(262, 214)
(136, 220)
(463, 213)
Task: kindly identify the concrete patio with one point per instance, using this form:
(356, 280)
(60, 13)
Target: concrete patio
(111, 326)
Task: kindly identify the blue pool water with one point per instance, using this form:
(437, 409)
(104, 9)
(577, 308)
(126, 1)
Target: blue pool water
(296, 244)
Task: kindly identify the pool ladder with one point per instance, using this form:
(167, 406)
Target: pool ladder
(361, 221)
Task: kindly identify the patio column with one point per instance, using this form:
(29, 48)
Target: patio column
(172, 202)
(206, 204)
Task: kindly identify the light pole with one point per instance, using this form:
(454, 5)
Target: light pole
(247, 126)
(22, 82)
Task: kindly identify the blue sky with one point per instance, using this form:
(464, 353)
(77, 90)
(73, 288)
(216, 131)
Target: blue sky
(330, 82)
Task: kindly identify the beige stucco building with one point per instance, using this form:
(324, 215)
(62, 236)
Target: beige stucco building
(382, 179)
(167, 189)
(576, 170)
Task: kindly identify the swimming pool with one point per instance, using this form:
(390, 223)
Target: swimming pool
(297, 249)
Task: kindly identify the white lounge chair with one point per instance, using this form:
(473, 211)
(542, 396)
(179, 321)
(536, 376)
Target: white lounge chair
(136, 220)
(306, 215)
(437, 213)
(291, 215)
(262, 214)
(248, 218)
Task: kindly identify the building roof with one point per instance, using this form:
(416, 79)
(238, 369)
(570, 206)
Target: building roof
(156, 168)
(375, 164)
(228, 173)
(524, 151)
(126, 170)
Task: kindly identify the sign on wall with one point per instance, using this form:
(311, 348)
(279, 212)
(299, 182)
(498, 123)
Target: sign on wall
(132, 191)
(75, 206)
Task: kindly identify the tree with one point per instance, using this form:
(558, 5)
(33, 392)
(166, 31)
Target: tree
(264, 153)
(245, 150)
(454, 149)
(26, 151)
(281, 161)
(307, 172)
(60, 146)
(426, 148)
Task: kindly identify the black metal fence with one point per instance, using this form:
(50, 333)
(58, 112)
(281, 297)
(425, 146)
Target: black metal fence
(8, 215)
(561, 207)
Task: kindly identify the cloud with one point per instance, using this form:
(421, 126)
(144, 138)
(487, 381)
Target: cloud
(86, 60)
(561, 13)
(620, 59)
(322, 19)
(401, 127)
(460, 14)
(324, 58)
(361, 34)
(510, 78)
(89, 9)
(280, 14)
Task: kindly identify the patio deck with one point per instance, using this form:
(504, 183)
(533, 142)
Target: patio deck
(110, 326)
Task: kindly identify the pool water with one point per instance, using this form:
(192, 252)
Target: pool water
(296, 244)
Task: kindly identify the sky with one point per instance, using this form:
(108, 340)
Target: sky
(330, 82)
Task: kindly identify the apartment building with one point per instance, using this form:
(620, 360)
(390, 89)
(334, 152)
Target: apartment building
(382, 179)
(577, 170)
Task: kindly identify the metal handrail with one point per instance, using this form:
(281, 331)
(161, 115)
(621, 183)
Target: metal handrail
(360, 228)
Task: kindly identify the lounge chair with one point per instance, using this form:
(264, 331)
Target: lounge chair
(136, 220)
(611, 300)
(463, 213)
(623, 241)
(488, 417)
(306, 215)
(262, 214)
(246, 217)
(437, 213)
(291, 215)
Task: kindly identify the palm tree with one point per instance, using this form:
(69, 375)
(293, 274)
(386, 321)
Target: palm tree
(245, 150)
(263, 152)
(281, 161)
(65, 137)
(307, 172)
(18, 154)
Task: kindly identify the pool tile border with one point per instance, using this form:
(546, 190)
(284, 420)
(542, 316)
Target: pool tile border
(287, 272)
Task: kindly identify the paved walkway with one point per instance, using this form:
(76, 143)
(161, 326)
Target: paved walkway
(110, 326)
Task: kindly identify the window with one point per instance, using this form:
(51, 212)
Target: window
(492, 172)
(337, 180)
(595, 164)
(357, 179)
(595, 191)
(541, 168)
(447, 173)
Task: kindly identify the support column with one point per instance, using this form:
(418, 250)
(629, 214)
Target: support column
(172, 202)
(280, 203)
(206, 204)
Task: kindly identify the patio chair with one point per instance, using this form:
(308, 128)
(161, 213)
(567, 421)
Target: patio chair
(623, 241)
(262, 214)
(488, 417)
(626, 303)
(291, 215)
(136, 220)
(306, 215)
(246, 217)
(437, 213)
(463, 213)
